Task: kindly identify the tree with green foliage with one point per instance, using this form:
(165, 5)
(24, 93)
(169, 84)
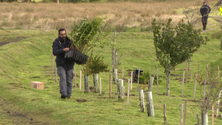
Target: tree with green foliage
(174, 45)
(85, 36)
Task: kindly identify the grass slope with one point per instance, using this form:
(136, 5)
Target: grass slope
(30, 60)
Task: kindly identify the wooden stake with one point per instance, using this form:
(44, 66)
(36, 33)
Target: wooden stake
(142, 104)
(207, 73)
(95, 82)
(212, 115)
(218, 104)
(198, 69)
(186, 67)
(198, 123)
(110, 86)
(191, 71)
(183, 83)
(128, 92)
(52, 65)
(75, 79)
(204, 87)
(181, 115)
(218, 74)
(120, 89)
(185, 109)
(115, 76)
(123, 73)
(150, 86)
(195, 87)
(86, 84)
(138, 79)
(150, 106)
(150, 76)
(80, 80)
(157, 82)
(164, 113)
(188, 72)
(131, 81)
(100, 86)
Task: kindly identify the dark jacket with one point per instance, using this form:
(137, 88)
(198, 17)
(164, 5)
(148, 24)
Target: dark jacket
(205, 10)
(58, 46)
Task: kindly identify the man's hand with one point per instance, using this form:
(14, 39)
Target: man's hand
(66, 49)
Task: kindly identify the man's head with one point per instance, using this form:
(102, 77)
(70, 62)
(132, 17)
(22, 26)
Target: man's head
(62, 33)
(204, 3)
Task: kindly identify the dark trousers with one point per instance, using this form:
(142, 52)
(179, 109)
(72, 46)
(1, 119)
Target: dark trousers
(65, 82)
(204, 22)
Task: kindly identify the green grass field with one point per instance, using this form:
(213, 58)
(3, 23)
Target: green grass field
(27, 57)
(30, 60)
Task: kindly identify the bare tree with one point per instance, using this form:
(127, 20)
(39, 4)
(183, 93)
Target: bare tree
(210, 87)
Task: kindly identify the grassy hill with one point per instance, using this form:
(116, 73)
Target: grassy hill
(28, 58)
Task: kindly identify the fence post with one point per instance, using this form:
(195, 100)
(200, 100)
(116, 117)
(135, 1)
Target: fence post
(212, 115)
(52, 65)
(120, 89)
(80, 80)
(185, 109)
(164, 113)
(131, 81)
(150, 106)
(198, 123)
(110, 86)
(195, 87)
(128, 92)
(100, 86)
(204, 87)
(142, 104)
(218, 104)
(207, 73)
(183, 83)
(218, 74)
(123, 73)
(86, 84)
(95, 81)
(150, 76)
(115, 76)
(181, 115)
(150, 86)
(186, 68)
(191, 70)
(157, 82)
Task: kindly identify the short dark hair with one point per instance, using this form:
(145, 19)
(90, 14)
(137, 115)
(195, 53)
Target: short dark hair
(61, 29)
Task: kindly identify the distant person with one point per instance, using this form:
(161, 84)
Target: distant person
(64, 66)
(205, 10)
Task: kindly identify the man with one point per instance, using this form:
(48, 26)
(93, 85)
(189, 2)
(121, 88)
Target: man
(64, 66)
(204, 10)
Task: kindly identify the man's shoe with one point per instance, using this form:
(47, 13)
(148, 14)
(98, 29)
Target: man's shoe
(63, 96)
(68, 97)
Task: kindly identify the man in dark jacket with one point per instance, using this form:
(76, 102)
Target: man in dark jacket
(64, 66)
(204, 10)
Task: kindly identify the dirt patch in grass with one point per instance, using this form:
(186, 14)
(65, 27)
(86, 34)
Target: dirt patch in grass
(191, 100)
(129, 94)
(175, 75)
(105, 98)
(12, 40)
(14, 115)
(82, 100)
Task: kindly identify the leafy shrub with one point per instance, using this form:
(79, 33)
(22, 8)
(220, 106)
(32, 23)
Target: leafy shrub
(144, 79)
